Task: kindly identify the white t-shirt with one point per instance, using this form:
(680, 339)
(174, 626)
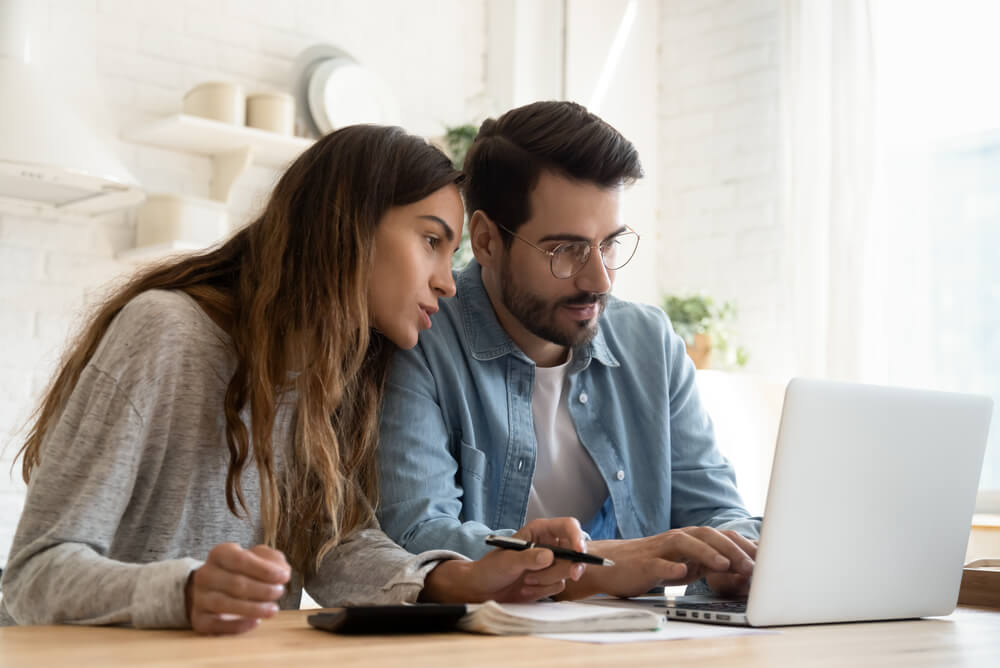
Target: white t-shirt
(566, 482)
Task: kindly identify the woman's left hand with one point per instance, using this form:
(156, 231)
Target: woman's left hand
(511, 575)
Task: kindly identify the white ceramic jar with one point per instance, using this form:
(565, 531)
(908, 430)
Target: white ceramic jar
(271, 111)
(218, 100)
(191, 221)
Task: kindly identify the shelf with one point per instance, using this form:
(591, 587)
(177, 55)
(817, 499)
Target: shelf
(232, 149)
(203, 136)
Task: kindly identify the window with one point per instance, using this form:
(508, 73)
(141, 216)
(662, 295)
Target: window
(937, 200)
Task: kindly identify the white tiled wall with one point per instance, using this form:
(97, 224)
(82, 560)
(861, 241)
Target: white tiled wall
(123, 61)
(718, 160)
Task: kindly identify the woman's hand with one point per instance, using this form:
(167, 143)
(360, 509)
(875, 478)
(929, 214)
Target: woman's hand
(235, 588)
(510, 575)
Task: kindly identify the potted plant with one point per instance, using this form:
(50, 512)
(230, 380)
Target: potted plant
(457, 141)
(703, 326)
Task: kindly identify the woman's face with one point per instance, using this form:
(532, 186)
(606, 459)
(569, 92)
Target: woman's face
(413, 249)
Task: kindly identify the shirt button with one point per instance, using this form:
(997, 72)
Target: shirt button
(620, 475)
(520, 464)
(583, 397)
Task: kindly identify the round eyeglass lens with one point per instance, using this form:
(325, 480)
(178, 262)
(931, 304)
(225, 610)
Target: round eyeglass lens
(570, 258)
(619, 250)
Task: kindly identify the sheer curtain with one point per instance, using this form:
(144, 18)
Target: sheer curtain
(827, 120)
(892, 210)
(937, 196)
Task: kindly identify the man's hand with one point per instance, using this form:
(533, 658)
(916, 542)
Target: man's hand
(235, 588)
(733, 584)
(510, 575)
(679, 556)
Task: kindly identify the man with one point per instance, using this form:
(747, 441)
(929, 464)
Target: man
(536, 394)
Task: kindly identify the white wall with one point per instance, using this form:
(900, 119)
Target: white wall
(124, 61)
(525, 40)
(718, 161)
(718, 223)
(696, 90)
(551, 49)
(629, 104)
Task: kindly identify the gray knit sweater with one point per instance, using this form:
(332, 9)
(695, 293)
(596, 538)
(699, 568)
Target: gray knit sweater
(129, 496)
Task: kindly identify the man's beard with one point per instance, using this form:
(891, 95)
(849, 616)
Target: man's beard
(539, 316)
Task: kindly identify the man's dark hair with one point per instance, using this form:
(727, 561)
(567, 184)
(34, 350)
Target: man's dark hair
(509, 154)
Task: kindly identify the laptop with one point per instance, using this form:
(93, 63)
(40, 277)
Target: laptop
(868, 510)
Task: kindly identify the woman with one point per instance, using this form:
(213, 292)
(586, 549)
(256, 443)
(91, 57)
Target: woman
(230, 399)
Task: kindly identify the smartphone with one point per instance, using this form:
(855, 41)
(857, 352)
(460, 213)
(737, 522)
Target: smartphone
(389, 619)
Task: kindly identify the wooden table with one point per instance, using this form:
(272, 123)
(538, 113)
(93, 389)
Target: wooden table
(969, 637)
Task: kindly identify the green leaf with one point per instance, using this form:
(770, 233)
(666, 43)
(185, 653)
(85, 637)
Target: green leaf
(699, 314)
(457, 140)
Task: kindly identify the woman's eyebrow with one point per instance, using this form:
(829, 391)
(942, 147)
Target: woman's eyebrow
(448, 232)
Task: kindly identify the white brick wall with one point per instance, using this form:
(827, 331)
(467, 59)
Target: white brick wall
(124, 61)
(718, 159)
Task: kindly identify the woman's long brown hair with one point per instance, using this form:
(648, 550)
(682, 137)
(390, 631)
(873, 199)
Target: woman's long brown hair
(291, 289)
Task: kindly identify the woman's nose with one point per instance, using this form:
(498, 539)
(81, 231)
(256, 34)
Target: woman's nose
(443, 281)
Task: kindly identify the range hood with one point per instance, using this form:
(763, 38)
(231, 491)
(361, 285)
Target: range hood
(50, 160)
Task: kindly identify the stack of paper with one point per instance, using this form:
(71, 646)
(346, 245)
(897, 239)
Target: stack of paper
(522, 618)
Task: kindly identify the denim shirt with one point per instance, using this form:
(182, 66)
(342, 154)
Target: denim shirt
(457, 446)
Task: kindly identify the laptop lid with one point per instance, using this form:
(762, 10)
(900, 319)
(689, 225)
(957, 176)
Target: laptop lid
(870, 503)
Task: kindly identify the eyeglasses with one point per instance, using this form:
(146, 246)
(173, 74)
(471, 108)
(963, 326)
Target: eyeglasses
(568, 259)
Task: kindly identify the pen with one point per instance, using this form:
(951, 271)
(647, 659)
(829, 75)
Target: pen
(510, 543)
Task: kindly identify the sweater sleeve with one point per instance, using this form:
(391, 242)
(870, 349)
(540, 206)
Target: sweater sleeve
(367, 568)
(58, 570)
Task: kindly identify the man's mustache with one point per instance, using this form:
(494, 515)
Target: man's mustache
(584, 299)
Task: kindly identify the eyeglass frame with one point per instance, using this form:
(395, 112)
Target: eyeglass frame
(590, 250)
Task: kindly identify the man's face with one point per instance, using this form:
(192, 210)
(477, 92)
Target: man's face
(560, 311)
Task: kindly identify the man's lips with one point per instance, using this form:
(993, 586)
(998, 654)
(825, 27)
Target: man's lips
(583, 311)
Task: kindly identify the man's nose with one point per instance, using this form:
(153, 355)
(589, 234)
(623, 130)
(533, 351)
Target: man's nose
(594, 277)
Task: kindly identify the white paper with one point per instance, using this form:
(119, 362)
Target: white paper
(670, 631)
(558, 612)
(523, 618)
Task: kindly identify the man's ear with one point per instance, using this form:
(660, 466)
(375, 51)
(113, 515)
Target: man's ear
(485, 239)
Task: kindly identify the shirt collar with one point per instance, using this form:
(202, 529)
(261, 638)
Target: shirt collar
(489, 340)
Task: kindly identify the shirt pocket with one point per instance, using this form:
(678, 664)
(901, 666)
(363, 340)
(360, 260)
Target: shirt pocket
(472, 471)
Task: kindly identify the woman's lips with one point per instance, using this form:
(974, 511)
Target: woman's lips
(425, 319)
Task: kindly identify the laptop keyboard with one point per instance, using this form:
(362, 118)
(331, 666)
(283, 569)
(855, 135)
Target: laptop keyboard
(716, 606)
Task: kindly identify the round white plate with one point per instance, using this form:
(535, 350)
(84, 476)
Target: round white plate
(302, 71)
(342, 92)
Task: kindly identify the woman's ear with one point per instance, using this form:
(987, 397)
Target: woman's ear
(485, 240)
